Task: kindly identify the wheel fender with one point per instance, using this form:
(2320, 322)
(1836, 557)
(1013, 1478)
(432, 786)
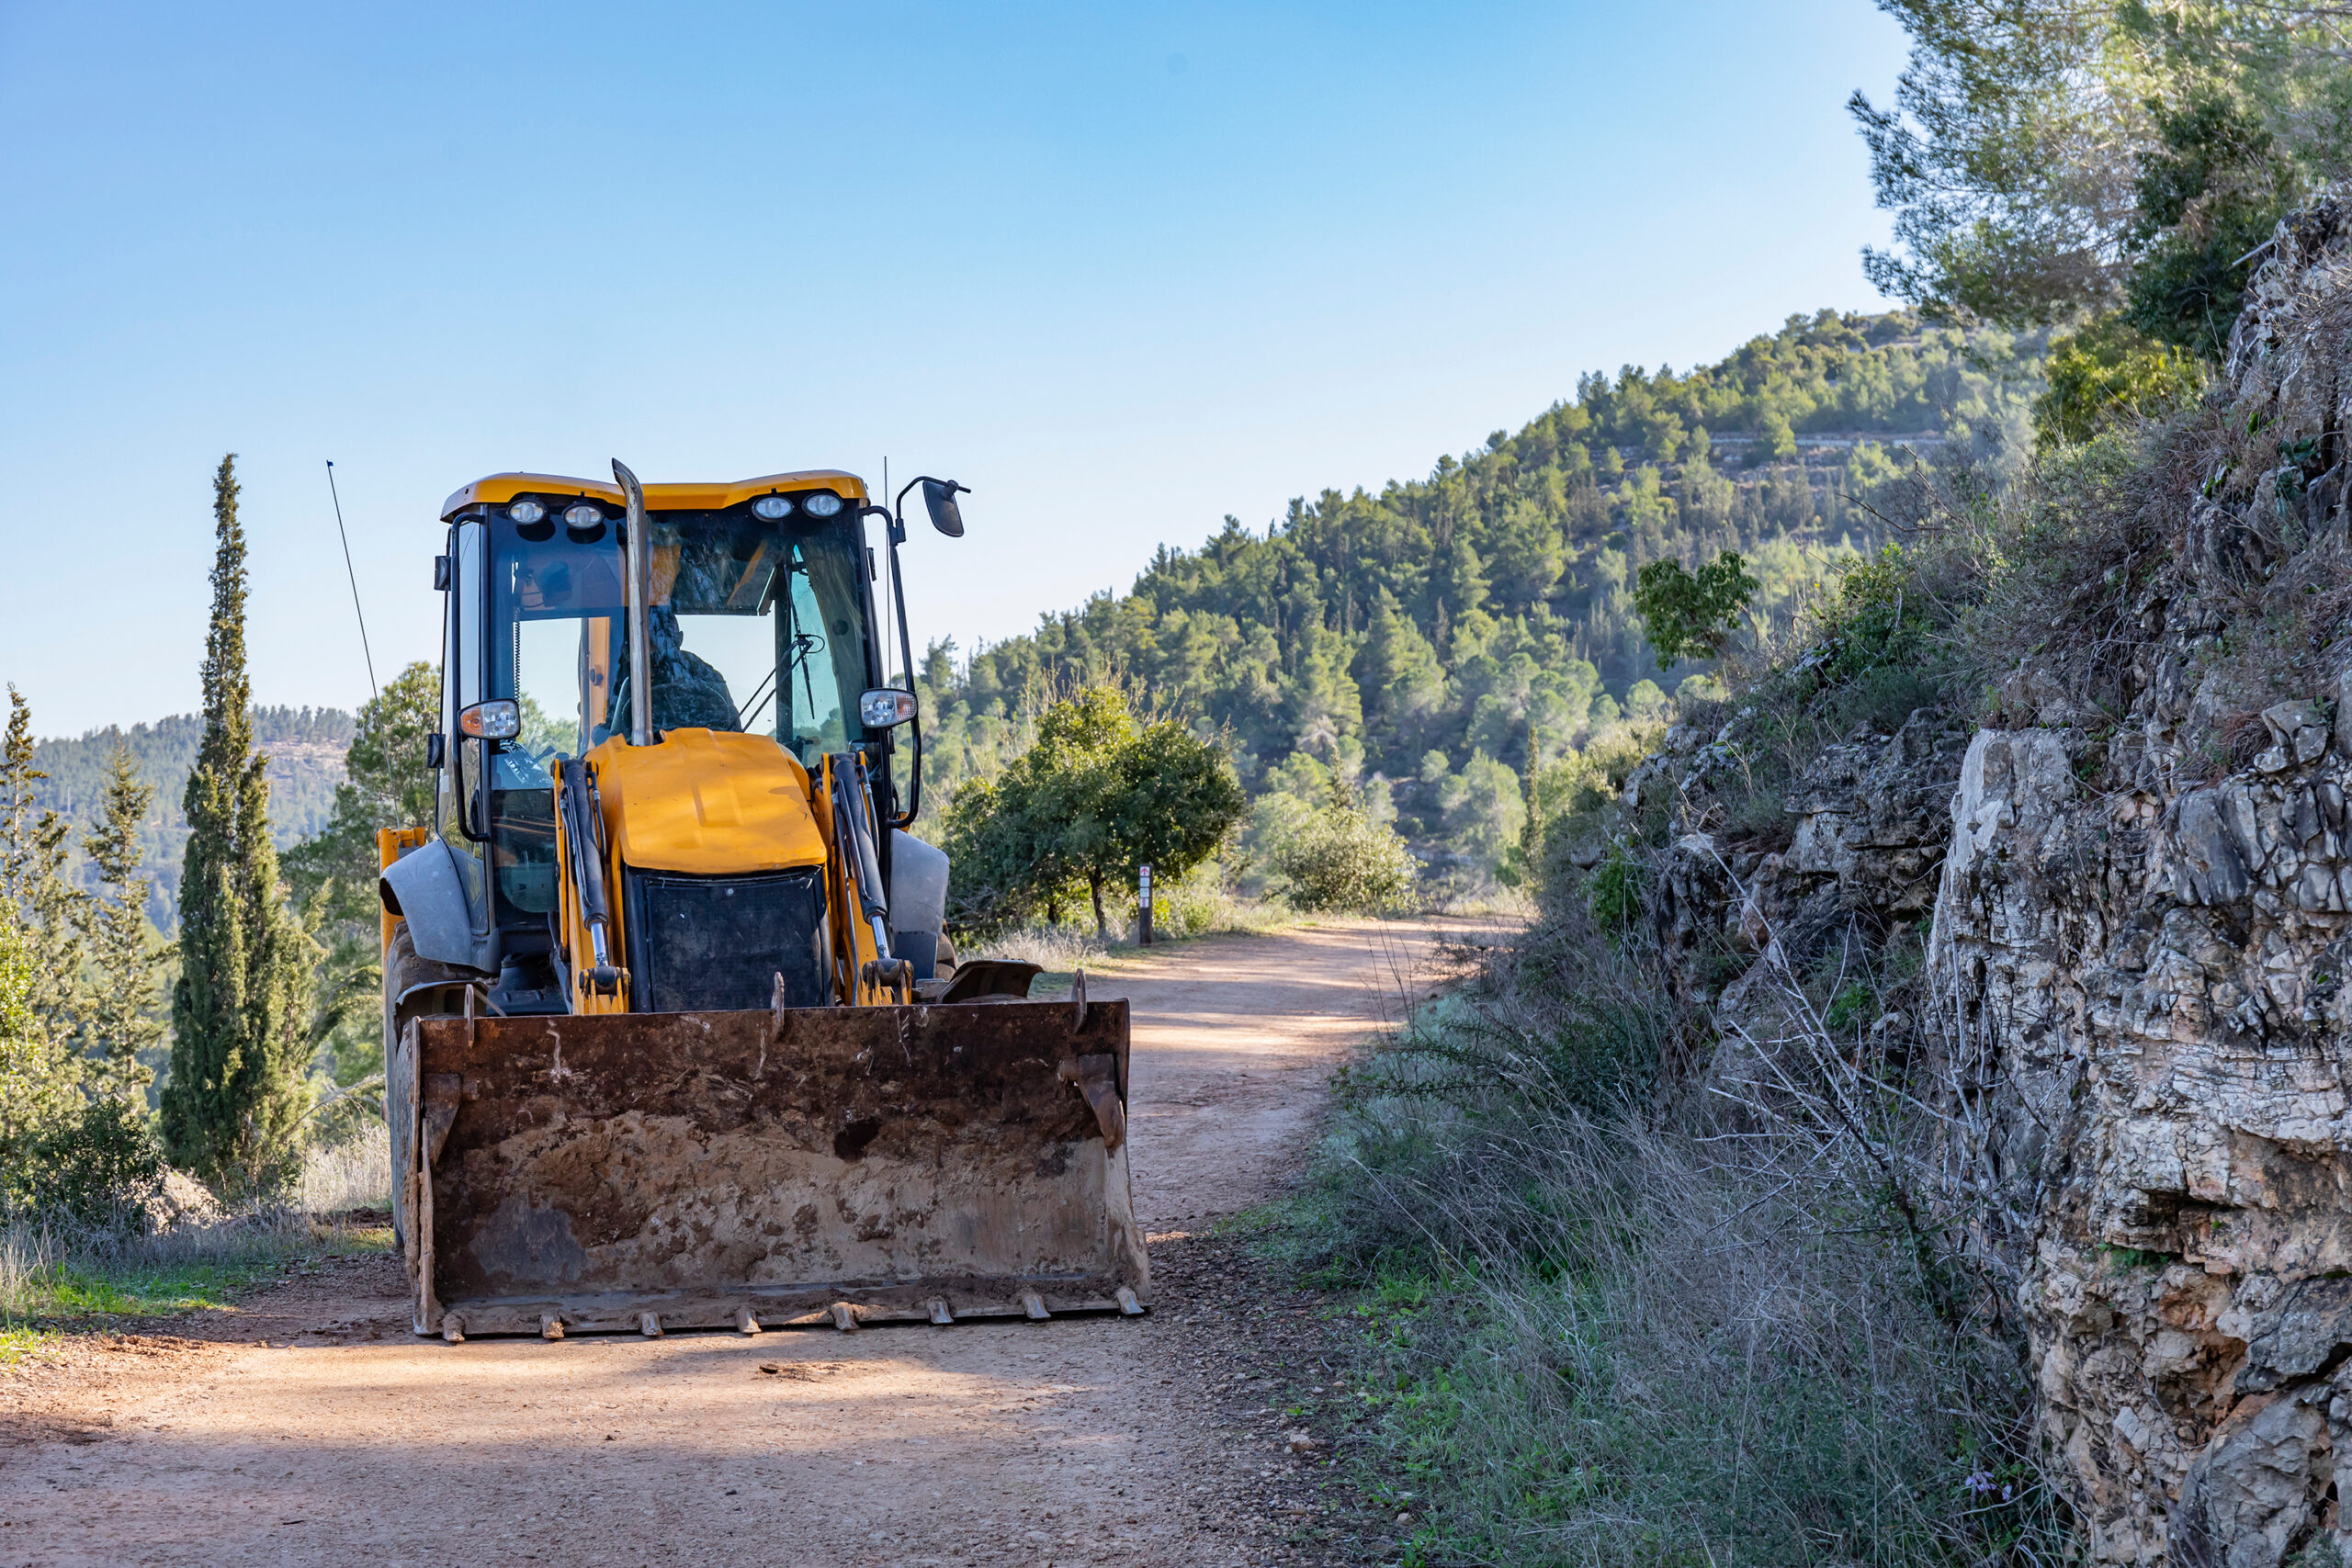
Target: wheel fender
(918, 884)
(422, 888)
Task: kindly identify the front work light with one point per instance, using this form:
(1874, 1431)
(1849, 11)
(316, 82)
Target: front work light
(582, 514)
(772, 507)
(824, 504)
(498, 720)
(885, 708)
(526, 511)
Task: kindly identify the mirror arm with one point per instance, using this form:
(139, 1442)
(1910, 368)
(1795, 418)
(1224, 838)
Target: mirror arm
(898, 530)
(899, 502)
(899, 505)
(907, 656)
(914, 779)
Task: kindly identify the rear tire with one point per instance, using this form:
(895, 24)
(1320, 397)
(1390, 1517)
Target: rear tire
(414, 987)
(943, 966)
(398, 958)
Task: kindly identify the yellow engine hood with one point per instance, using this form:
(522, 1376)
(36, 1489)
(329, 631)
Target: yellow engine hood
(708, 802)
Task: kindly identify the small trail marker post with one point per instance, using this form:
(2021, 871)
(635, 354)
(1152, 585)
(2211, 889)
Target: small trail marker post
(1142, 906)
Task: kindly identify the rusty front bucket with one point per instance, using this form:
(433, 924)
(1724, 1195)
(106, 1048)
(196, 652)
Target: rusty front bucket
(808, 1166)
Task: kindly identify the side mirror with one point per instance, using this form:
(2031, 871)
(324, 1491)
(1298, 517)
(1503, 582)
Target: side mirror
(939, 500)
(886, 707)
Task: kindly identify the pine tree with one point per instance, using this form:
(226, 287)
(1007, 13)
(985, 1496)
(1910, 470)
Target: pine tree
(33, 886)
(235, 1106)
(122, 944)
(41, 960)
(36, 1095)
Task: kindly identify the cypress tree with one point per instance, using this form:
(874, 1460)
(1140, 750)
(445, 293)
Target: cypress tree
(235, 1105)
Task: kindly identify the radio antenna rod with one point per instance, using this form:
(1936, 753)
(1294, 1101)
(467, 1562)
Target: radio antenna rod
(346, 534)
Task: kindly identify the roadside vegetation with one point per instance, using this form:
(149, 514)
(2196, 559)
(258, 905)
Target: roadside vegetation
(1643, 1271)
(187, 1253)
(1444, 654)
(177, 1119)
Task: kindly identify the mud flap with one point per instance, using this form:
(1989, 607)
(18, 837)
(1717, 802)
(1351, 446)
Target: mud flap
(709, 1167)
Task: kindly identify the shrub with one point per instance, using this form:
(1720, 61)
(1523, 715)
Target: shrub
(1097, 796)
(1615, 891)
(1593, 1336)
(99, 1172)
(1345, 861)
(2109, 374)
(1689, 614)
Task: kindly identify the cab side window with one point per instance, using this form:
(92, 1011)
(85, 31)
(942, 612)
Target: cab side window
(461, 773)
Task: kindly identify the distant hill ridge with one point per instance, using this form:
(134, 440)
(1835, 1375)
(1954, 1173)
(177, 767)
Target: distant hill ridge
(1467, 619)
(305, 747)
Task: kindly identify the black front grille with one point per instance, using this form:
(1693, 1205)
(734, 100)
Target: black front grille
(716, 943)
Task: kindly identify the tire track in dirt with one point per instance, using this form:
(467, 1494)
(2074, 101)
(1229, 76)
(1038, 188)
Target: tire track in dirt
(345, 1441)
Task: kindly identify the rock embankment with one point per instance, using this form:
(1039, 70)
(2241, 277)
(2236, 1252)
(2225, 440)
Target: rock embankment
(2137, 895)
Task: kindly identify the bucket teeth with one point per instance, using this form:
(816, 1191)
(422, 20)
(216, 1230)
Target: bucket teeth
(550, 1326)
(1128, 1303)
(649, 1325)
(939, 1313)
(453, 1328)
(1035, 1305)
(844, 1317)
(744, 1322)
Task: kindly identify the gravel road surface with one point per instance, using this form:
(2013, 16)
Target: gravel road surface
(311, 1427)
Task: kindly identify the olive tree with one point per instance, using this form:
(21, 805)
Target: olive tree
(1100, 793)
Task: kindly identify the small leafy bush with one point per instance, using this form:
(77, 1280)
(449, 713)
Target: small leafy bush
(99, 1172)
(1344, 860)
(1615, 891)
(2109, 374)
(1690, 614)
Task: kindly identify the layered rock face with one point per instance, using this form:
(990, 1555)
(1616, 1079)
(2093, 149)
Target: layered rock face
(2153, 982)
(2145, 965)
(2136, 980)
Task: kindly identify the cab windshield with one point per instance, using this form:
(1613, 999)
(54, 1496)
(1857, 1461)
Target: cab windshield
(754, 627)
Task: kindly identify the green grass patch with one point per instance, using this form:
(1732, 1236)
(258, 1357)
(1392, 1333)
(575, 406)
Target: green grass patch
(203, 1271)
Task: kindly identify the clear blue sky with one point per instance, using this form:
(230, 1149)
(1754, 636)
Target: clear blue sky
(1120, 269)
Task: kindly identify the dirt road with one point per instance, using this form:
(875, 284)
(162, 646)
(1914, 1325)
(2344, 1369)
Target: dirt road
(345, 1441)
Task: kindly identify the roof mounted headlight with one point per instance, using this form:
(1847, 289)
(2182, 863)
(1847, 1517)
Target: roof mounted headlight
(824, 504)
(525, 511)
(498, 719)
(582, 514)
(773, 507)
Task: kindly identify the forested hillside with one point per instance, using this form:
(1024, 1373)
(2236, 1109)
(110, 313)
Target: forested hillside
(1431, 639)
(1427, 640)
(305, 747)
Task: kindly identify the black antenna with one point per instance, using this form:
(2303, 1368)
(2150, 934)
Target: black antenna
(346, 534)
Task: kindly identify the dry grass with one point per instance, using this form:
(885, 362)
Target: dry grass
(57, 1276)
(1180, 912)
(357, 1174)
(1617, 1337)
(1057, 950)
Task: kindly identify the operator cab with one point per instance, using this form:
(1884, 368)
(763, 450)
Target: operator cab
(760, 623)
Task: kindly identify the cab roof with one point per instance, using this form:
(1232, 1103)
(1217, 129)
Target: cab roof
(657, 497)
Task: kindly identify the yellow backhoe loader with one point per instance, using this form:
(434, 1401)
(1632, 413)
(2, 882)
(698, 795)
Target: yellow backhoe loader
(673, 1035)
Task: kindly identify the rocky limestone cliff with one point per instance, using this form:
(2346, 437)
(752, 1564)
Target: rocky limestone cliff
(2137, 895)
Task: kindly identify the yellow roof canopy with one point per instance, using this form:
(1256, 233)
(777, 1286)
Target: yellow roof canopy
(657, 497)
